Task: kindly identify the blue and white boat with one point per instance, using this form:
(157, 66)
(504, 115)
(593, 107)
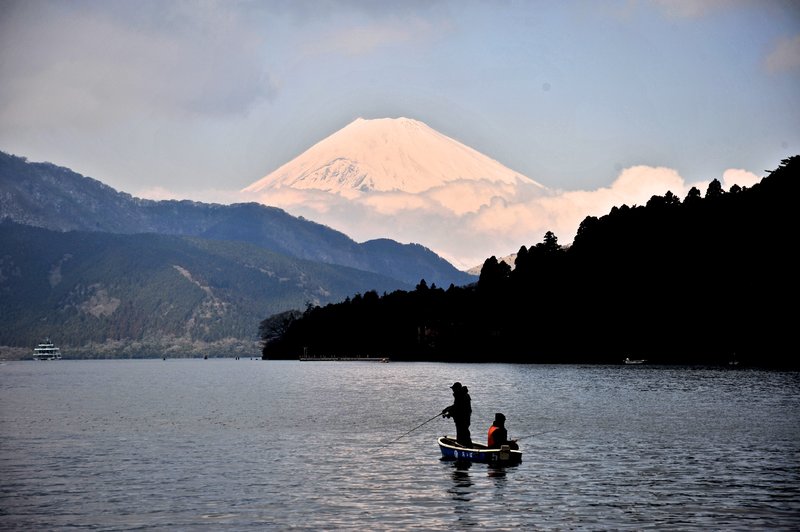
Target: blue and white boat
(452, 450)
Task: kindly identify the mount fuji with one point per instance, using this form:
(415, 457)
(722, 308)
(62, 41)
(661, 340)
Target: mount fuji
(386, 155)
(398, 178)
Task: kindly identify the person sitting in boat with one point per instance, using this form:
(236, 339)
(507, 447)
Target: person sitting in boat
(460, 411)
(498, 435)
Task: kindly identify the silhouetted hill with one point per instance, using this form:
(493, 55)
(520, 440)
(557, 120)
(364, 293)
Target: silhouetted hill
(103, 294)
(689, 282)
(48, 196)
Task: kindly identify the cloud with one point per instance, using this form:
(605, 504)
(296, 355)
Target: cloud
(469, 196)
(785, 57)
(692, 9)
(646, 181)
(743, 178)
(361, 40)
(104, 62)
(394, 203)
(497, 221)
(356, 39)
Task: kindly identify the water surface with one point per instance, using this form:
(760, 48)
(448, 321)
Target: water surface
(228, 444)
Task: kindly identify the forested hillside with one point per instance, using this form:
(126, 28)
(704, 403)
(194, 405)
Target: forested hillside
(102, 294)
(698, 280)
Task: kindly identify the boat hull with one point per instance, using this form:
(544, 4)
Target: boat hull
(47, 357)
(477, 453)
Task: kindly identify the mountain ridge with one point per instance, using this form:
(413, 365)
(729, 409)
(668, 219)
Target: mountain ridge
(53, 197)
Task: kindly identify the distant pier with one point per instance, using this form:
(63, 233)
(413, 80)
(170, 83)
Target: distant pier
(342, 359)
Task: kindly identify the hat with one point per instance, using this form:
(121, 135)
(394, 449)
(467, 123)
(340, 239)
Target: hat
(455, 386)
(499, 417)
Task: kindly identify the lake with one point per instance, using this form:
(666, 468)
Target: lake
(225, 444)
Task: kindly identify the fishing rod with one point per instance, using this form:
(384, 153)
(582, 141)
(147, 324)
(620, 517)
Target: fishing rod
(415, 428)
(537, 434)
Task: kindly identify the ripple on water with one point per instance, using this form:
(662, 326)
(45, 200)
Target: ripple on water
(251, 445)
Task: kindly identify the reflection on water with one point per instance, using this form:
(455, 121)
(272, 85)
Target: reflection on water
(466, 493)
(462, 494)
(498, 473)
(461, 481)
(252, 445)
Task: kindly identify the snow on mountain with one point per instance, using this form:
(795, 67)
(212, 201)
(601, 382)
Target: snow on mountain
(398, 178)
(387, 155)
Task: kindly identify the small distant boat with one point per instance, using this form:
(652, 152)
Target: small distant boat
(630, 361)
(46, 350)
(452, 450)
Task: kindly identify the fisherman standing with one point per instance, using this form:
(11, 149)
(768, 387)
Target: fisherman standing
(460, 411)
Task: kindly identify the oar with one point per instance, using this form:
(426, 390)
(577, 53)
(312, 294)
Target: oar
(415, 428)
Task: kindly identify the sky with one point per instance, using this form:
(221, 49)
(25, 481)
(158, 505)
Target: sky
(198, 99)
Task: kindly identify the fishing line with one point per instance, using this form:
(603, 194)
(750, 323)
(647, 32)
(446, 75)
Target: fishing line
(537, 434)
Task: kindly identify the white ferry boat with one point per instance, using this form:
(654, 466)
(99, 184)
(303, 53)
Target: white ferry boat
(46, 350)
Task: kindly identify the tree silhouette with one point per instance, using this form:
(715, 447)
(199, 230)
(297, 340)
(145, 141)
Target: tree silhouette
(493, 273)
(692, 196)
(680, 283)
(714, 189)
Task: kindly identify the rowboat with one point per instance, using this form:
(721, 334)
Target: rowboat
(451, 450)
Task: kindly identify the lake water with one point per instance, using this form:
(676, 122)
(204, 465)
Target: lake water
(225, 444)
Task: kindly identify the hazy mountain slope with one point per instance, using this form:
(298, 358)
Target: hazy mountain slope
(145, 293)
(45, 195)
(382, 252)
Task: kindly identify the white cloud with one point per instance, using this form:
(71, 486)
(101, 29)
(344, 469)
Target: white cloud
(504, 221)
(735, 176)
(692, 9)
(316, 201)
(394, 203)
(639, 182)
(469, 196)
(353, 38)
(498, 221)
(785, 56)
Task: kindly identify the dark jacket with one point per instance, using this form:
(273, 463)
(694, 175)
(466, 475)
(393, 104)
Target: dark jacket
(461, 409)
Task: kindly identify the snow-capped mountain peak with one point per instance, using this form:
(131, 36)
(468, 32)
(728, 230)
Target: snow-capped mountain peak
(386, 154)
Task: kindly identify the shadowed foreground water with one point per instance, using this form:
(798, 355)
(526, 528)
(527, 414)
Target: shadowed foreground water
(273, 445)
